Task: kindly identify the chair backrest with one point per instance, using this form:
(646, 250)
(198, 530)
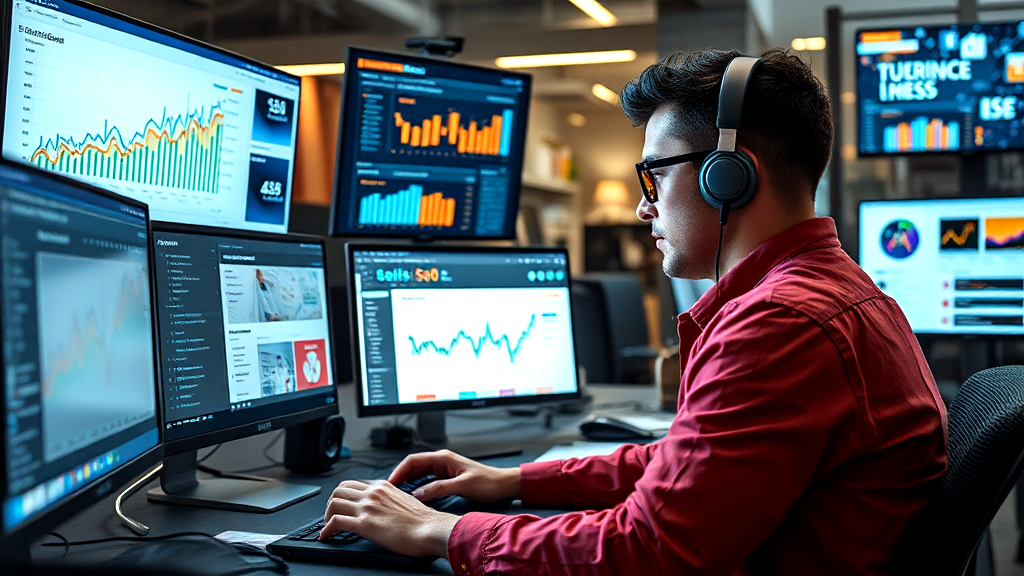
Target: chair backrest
(986, 446)
(631, 352)
(590, 331)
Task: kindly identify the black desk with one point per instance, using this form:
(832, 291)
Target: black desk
(470, 433)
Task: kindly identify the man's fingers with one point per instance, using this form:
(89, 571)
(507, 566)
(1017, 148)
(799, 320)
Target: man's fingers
(346, 493)
(337, 524)
(414, 466)
(340, 506)
(436, 489)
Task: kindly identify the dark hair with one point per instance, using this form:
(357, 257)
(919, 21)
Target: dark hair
(787, 116)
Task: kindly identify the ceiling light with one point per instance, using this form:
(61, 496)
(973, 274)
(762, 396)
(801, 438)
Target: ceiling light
(605, 93)
(314, 69)
(595, 10)
(576, 120)
(567, 59)
(815, 43)
(848, 97)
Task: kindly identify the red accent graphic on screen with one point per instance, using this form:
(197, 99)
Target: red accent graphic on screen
(311, 369)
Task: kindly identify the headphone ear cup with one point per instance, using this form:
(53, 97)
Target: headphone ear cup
(727, 177)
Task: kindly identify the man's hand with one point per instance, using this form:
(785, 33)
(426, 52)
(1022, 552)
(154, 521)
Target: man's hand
(458, 475)
(378, 511)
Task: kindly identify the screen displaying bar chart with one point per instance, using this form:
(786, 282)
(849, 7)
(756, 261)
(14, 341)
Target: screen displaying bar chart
(450, 130)
(414, 205)
(922, 134)
(428, 148)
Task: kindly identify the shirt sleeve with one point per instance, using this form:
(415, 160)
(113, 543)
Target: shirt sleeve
(595, 482)
(763, 395)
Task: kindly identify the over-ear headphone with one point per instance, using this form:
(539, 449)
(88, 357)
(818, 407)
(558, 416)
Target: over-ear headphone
(727, 176)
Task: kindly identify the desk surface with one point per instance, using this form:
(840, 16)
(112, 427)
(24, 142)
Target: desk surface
(470, 433)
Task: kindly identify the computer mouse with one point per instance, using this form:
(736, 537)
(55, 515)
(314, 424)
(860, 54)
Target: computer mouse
(605, 428)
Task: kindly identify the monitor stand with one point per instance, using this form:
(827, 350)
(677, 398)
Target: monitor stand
(430, 428)
(180, 485)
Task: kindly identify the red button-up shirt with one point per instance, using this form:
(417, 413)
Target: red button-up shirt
(809, 430)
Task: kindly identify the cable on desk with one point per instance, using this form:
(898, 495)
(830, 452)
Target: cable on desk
(135, 525)
(67, 545)
(281, 565)
(210, 453)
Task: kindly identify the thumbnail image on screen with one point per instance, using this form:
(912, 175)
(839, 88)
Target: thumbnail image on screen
(439, 326)
(955, 266)
(78, 339)
(429, 148)
(244, 329)
(201, 136)
(940, 88)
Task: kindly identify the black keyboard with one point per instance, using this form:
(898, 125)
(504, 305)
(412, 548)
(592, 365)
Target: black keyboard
(311, 532)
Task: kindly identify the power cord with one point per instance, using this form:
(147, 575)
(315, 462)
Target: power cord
(135, 525)
(281, 565)
(723, 218)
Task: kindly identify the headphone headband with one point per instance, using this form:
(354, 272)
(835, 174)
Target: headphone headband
(730, 99)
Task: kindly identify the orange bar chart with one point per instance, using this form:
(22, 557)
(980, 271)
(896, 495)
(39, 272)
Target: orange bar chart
(436, 131)
(436, 210)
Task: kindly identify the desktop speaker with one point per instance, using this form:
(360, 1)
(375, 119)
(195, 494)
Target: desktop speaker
(313, 447)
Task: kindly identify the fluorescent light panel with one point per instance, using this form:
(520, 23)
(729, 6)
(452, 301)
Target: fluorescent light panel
(802, 44)
(595, 10)
(566, 59)
(328, 69)
(605, 93)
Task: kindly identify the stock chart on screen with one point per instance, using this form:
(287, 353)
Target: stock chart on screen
(203, 137)
(429, 148)
(940, 88)
(954, 265)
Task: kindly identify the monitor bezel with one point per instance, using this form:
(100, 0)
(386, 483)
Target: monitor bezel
(6, 20)
(19, 537)
(515, 177)
(860, 110)
(932, 334)
(259, 426)
(391, 409)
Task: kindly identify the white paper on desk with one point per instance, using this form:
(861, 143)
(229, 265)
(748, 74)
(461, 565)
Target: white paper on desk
(251, 538)
(579, 449)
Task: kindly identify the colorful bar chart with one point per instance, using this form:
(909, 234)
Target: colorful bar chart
(179, 152)
(922, 134)
(408, 207)
(490, 137)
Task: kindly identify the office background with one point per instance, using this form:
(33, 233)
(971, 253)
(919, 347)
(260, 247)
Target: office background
(579, 188)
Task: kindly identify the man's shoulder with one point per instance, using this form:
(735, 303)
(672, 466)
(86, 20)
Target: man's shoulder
(820, 284)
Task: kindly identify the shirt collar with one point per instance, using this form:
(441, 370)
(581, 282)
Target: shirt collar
(799, 238)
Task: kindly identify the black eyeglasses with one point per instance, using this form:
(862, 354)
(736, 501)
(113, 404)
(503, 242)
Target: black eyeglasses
(643, 171)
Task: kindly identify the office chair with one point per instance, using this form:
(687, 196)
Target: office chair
(622, 297)
(590, 331)
(986, 457)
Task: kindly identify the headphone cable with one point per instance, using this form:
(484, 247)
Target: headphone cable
(723, 217)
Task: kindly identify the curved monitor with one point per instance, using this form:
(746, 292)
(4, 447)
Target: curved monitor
(80, 398)
(202, 135)
(428, 148)
(954, 88)
(442, 328)
(955, 266)
(245, 333)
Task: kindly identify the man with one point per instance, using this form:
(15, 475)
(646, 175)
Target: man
(809, 428)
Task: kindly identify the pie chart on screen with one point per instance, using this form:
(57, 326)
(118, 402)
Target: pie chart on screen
(900, 239)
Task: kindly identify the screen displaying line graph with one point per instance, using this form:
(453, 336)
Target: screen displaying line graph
(180, 152)
(959, 234)
(167, 121)
(95, 343)
(459, 344)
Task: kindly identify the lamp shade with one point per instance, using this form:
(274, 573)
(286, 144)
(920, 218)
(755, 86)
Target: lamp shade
(611, 193)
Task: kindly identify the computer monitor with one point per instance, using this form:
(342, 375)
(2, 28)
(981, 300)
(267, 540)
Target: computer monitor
(79, 362)
(953, 88)
(245, 347)
(428, 148)
(202, 135)
(955, 266)
(439, 328)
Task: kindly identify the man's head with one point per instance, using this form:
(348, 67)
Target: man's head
(786, 130)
